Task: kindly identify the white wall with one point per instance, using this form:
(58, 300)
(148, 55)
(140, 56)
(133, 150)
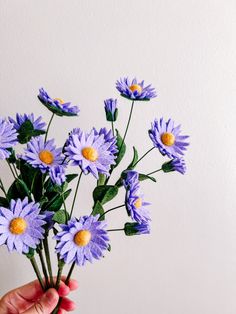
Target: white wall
(186, 49)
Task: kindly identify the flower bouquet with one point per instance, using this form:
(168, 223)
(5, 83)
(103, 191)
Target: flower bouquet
(35, 206)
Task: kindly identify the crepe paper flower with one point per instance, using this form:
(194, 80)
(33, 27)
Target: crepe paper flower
(135, 90)
(48, 219)
(8, 138)
(82, 240)
(176, 164)
(57, 105)
(57, 174)
(166, 137)
(91, 152)
(111, 109)
(109, 138)
(42, 155)
(38, 124)
(21, 226)
(131, 179)
(134, 228)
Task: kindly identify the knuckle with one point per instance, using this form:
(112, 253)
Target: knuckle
(39, 308)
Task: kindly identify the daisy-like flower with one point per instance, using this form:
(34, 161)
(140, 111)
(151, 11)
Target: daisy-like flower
(82, 240)
(38, 124)
(42, 155)
(109, 138)
(57, 105)
(135, 228)
(58, 174)
(8, 138)
(134, 201)
(92, 152)
(135, 90)
(21, 226)
(166, 137)
(111, 109)
(176, 164)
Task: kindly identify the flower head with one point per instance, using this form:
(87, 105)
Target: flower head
(92, 152)
(8, 138)
(38, 124)
(176, 164)
(134, 201)
(108, 138)
(57, 105)
(166, 137)
(82, 240)
(57, 174)
(135, 90)
(135, 228)
(48, 218)
(42, 155)
(21, 225)
(111, 109)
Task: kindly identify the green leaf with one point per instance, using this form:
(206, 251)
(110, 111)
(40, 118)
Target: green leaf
(98, 210)
(61, 217)
(143, 177)
(121, 148)
(4, 202)
(71, 177)
(12, 157)
(18, 189)
(56, 201)
(135, 159)
(104, 193)
(27, 131)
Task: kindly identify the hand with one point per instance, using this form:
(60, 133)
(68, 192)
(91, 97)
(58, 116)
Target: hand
(30, 299)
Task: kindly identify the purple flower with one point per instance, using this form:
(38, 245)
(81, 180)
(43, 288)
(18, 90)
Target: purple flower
(42, 155)
(166, 137)
(57, 174)
(8, 138)
(108, 138)
(21, 226)
(135, 90)
(135, 228)
(48, 218)
(91, 152)
(134, 201)
(57, 105)
(82, 240)
(176, 164)
(111, 109)
(20, 119)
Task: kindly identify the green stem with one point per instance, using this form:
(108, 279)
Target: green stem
(49, 123)
(109, 210)
(127, 126)
(59, 273)
(14, 168)
(154, 172)
(37, 272)
(76, 191)
(48, 259)
(11, 169)
(2, 188)
(44, 269)
(143, 156)
(113, 130)
(110, 230)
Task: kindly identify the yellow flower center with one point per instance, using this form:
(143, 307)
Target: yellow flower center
(61, 101)
(17, 226)
(168, 139)
(46, 156)
(90, 153)
(82, 238)
(138, 203)
(136, 88)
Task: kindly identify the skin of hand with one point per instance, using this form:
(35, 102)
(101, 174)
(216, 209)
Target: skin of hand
(30, 299)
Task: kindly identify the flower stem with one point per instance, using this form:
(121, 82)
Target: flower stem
(59, 273)
(109, 210)
(110, 230)
(154, 172)
(37, 272)
(49, 123)
(14, 168)
(48, 259)
(11, 169)
(44, 269)
(113, 130)
(76, 191)
(2, 188)
(143, 156)
(127, 126)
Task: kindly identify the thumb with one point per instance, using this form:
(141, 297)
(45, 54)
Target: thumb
(46, 304)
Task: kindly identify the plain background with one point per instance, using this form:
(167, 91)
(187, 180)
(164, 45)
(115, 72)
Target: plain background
(186, 49)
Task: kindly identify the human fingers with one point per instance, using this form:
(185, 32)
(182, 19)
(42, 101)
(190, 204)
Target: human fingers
(67, 304)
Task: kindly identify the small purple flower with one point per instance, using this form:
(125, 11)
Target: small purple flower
(135, 90)
(108, 138)
(57, 105)
(58, 174)
(82, 240)
(91, 152)
(111, 109)
(21, 226)
(8, 138)
(176, 164)
(38, 124)
(42, 155)
(135, 228)
(48, 218)
(166, 137)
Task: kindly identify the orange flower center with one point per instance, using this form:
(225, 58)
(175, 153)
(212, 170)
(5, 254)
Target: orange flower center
(17, 226)
(61, 101)
(136, 88)
(82, 238)
(168, 139)
(90, 153)
(138, 203)
(46, 156)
